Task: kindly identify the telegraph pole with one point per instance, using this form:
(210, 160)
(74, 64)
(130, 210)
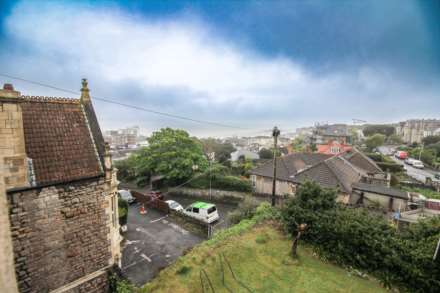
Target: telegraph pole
(275, 134)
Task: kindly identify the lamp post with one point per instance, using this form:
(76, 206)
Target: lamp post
(275, 134)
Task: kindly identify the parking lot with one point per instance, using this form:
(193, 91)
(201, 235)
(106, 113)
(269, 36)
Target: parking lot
(153, 242)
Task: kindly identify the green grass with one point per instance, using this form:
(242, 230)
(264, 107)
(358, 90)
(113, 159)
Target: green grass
(260, 259)
(429, 193)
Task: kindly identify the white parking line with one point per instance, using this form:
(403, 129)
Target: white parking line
(154, 221)
(145, 257)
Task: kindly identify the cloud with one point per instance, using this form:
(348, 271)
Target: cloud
(185, 66)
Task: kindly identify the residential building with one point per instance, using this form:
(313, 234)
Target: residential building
(390, 199)
(332, 147)
(340, 172)
(60, 198)
(325, 133)
(122, 137)
(287, 166)
(244, 153)
(413, 131)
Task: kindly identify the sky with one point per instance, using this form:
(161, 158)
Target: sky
(248, 64)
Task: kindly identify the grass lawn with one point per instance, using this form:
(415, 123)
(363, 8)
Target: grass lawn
(260, 259)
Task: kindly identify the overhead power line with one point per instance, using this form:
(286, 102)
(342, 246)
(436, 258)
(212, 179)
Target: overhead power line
(112, 101)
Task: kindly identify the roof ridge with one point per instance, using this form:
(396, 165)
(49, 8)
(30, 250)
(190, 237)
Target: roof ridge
(341, 182)
(45, 99)
(368, 159)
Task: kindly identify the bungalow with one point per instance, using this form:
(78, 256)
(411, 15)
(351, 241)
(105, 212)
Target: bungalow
(340, 172)
(389, 199)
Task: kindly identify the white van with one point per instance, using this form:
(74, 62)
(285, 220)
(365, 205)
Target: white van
(206, 212)
(418, 164)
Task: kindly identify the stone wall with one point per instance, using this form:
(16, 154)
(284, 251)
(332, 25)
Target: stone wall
(60, 233)
(217, 195)
(191, 224)
(8, 281)
(12, 148)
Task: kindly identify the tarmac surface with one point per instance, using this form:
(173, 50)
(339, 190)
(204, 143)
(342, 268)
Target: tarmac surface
(153, 242)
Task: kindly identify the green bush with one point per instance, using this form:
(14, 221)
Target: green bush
(230, 183)
(245, 210)
(359, 239)
(122, 211)
(390, 167)
(375, 157)
(183, 270)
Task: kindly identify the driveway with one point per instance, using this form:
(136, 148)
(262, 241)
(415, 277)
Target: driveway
(152, 243)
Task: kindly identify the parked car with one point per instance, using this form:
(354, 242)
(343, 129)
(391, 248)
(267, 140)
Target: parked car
(126, 195)
(418, 164)
(206, 212)
(410, 161)
(174, 205)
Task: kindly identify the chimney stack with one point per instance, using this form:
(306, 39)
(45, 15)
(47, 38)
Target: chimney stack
(9, 92)
(85, 95)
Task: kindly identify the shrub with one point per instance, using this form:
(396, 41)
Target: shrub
(122, 211)
(390, 167)
(183, 270)
(230, 183)
(245, 210)
(375, 157)
(357, 238)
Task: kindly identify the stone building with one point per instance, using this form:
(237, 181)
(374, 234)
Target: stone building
(59, 228)
(413, 131)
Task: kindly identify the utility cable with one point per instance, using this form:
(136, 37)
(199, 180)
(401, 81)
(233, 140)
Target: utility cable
(113, 101)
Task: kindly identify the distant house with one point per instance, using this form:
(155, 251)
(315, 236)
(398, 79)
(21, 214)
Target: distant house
(340, 172)
(334, 132)
(332, 147)
(244, 153)
(58, 195)
(287, 166)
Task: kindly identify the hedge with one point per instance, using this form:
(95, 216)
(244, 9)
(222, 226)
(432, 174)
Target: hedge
(229, 183)
(390, 167)
(375, 157)
(359, 239)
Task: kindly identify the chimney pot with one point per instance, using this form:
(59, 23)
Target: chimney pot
(8, 87)
(8, 92)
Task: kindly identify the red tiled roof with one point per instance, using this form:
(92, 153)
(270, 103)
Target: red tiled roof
(58, 140)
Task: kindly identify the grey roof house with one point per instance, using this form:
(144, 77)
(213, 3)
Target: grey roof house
(341, 172)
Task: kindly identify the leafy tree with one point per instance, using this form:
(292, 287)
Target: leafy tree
(171, 153)
(432, 139)
(265, 154)
(394, 139)
(298, 145)
(374, 141)
(386, 130)
(222, 150)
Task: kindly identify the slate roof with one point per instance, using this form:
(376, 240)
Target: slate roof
(289, 165)
(59, 139)
(380, 189)
(361, 161)
(335, 172)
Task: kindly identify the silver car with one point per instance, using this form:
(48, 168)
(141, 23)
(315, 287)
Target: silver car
(126, 195)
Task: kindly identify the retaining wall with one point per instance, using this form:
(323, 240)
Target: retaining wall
(217, 195)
